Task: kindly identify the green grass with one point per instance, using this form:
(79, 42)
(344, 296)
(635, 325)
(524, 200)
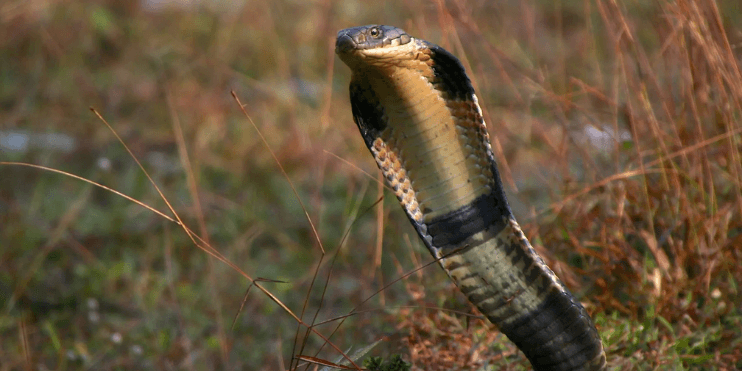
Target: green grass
(647, 230)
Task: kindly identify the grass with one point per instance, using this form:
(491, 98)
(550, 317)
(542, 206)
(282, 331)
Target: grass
(643, 224)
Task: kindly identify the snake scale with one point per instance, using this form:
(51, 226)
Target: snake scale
(417, 112)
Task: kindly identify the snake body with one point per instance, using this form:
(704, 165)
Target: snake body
(417, 112)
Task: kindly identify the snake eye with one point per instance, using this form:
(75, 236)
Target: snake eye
(374, 32)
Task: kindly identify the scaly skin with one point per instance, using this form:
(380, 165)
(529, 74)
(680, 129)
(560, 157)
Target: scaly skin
(417, 112)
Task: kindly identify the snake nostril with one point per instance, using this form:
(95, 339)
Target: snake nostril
(344, 44)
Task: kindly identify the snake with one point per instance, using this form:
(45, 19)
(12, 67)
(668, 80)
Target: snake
(418, 114)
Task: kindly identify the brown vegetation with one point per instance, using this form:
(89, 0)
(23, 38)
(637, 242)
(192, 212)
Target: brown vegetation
(617, 127)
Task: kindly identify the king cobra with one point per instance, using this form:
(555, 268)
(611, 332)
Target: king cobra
(418, 114)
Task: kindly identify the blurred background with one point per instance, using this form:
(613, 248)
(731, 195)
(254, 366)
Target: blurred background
(616, 127)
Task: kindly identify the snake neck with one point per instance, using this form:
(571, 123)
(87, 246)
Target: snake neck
(437, 156)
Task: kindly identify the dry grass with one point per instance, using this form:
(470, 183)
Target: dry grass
(644, 225)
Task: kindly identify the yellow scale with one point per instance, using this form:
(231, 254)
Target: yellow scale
(433, 142)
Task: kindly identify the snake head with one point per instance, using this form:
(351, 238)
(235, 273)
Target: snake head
(371, 41)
